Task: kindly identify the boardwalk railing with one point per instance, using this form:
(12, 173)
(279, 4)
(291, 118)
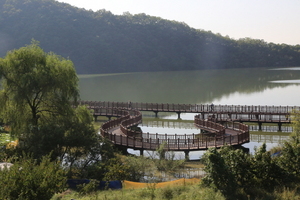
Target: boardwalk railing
(132, 121)
(179, 144)
(194, 108)
(121, 114)
(139, 140)
(210, 126)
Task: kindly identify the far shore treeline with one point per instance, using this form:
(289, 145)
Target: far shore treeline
(101, 42)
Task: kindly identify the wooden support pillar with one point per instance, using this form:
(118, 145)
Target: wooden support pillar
(259, 126)
(141, 152)
(95, 117)
(279, 126)
(156, 113)
(186, 153)
(178, 113)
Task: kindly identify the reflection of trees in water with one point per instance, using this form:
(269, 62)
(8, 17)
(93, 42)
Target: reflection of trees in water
(225, 82)
(284, 129)
(181, 86)
(268, 138)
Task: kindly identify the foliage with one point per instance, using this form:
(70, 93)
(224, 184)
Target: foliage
(121, 167)
(139, 167)
(28, 179)
(89, 188)
(132, 168)
(166, 161)
(4, 139)
(37, 87)
(39, 96)
(266, 171)
(131, 43)
(234, 172)
(219, 175)
(289, 158)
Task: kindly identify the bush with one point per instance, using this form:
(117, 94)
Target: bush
(28, 179)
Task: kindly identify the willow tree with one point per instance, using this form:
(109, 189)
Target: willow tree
(38, 93)
(35, 86)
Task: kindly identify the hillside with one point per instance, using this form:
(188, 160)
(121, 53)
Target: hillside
(100, 42)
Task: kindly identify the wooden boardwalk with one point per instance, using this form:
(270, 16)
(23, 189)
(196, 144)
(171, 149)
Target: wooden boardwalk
(176, 143)
(241, 113)
(223, 123)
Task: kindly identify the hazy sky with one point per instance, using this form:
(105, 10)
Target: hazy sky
(275, 21)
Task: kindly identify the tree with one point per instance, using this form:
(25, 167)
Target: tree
(219, 175)
(36, 86)
(38, 98)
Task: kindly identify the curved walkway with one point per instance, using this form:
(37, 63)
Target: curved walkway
(119, 132)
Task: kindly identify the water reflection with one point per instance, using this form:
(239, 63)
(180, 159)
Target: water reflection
(202, 86)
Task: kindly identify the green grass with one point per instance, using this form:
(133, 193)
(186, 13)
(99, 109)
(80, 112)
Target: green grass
(177, 193)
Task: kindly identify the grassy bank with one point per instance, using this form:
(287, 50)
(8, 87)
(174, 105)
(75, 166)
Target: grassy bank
(176, 193)
(179, 192)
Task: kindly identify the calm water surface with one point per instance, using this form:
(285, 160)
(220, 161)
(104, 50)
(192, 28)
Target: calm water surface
(279, 86)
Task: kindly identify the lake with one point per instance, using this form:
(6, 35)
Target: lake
(257, 86)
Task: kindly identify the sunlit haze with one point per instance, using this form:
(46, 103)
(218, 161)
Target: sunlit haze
(274, 21)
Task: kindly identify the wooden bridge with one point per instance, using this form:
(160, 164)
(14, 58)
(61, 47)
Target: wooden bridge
(222, 124)
(233, 112)
(120, 133)
(217, 113)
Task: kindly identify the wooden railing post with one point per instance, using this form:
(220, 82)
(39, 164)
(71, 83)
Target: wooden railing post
(134, 140)
(215, 141)
(193, 137)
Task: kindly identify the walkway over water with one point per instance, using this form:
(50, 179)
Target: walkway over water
(220, 122)
(242, 113)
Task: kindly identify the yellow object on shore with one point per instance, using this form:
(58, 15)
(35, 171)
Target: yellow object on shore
(12, 144)
(137, 185)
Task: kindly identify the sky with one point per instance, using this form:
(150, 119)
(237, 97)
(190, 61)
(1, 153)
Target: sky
(276, 21)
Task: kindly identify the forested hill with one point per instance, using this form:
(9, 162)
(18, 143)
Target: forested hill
(100, 42)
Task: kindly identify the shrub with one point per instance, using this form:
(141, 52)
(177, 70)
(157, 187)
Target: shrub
(28, 179)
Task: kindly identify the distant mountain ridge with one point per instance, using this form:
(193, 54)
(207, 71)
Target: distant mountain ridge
(100, 42)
